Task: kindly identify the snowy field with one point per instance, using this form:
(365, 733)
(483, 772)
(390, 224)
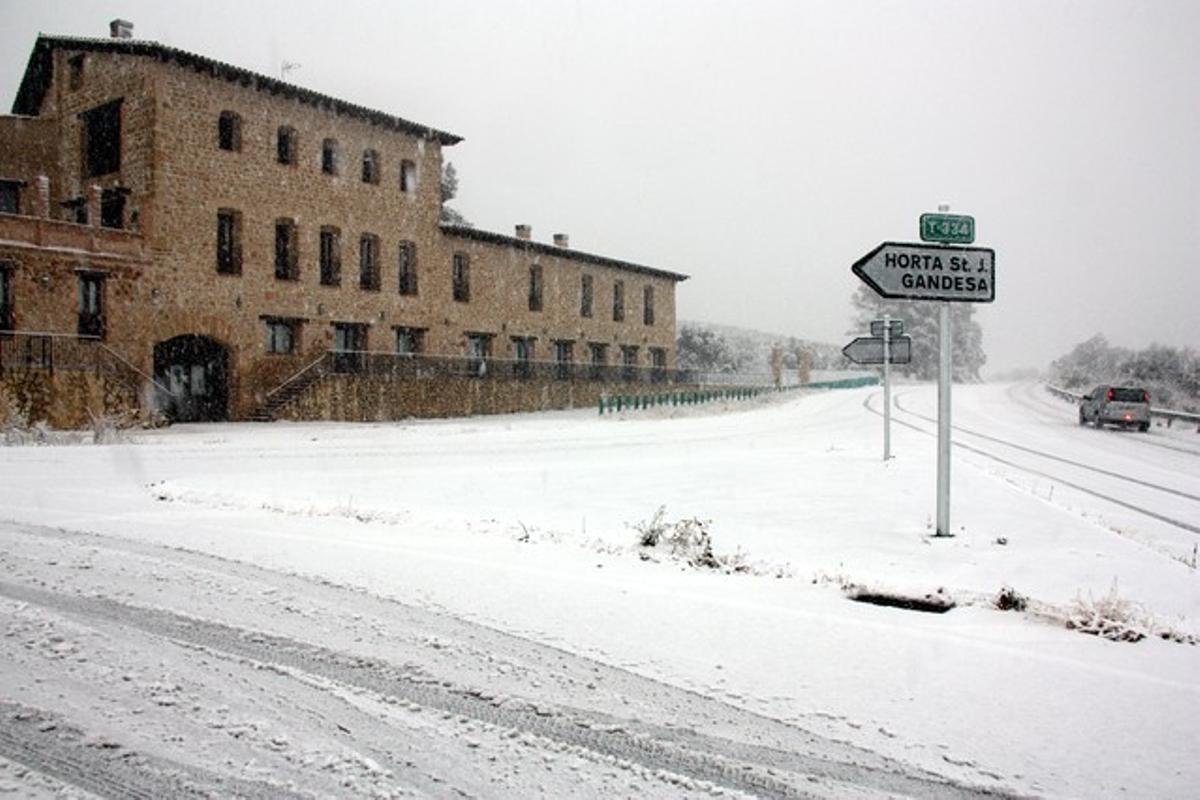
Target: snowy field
(443, 606)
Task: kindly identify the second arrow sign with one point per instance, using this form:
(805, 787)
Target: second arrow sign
(869, 350)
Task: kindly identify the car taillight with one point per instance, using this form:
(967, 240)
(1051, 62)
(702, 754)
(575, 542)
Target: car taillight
(1110, 395)
(1145, 397)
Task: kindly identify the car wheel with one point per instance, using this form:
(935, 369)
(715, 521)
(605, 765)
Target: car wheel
(1143, 427)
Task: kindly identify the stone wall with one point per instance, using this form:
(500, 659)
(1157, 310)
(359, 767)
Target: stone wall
(29, 150)
(381, 398)
(67, 398)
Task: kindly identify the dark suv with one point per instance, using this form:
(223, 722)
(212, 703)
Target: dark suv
(1126, 406)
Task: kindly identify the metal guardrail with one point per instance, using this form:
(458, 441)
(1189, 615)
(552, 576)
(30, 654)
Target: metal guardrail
(708, 394)
(844, 383)
(633, 402)
(1170, 415)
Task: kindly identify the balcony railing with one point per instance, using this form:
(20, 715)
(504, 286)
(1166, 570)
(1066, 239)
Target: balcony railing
(22, 351)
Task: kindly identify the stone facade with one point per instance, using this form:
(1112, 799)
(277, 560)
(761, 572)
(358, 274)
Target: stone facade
(224, 267)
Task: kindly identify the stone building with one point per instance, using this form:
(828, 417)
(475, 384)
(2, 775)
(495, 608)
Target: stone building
(182, 234)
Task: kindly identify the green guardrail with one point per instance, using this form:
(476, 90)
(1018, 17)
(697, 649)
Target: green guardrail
(845, 383)
(613, 404)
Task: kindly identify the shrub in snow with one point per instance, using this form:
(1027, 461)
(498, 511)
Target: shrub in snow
(1009, 600)
(1120, 619)
(110, 428)
(18, 430)
(688, 540)
(1111, 617)
(651, 531)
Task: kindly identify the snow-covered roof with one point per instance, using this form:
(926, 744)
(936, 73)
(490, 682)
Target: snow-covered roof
(467, 232)
(39, 71)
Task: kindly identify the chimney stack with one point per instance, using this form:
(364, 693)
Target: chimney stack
(525, 232)
(562, 240)
(120, 29)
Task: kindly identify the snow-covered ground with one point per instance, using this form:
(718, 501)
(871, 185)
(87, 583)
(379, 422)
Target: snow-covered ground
(509, 546)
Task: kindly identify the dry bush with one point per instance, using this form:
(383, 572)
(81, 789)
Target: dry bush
(1120, 620)
(1008, 599)
(687, 540)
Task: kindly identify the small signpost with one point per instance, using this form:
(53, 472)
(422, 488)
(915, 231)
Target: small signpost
(884, 346)
(945, 272)
(894, 328)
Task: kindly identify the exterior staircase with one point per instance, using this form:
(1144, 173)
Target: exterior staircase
(283, 394)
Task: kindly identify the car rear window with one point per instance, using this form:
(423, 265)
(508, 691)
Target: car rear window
(1128, 395)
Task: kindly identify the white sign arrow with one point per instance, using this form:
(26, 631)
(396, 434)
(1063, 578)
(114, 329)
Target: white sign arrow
(925, 272)
(869, 350)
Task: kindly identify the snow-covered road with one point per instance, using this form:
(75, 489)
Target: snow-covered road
(131, 667)
(314, 578)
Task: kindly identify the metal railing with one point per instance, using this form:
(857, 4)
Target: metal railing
(427, 367)
(22, 351)
(107, 352)
(49, 352)
(316, 367)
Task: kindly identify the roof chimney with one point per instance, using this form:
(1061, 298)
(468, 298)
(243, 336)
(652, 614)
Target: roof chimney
(562, 240)
(120, 29)
(525, 232)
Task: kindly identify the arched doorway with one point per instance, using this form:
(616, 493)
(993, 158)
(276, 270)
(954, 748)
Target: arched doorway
(195, 370)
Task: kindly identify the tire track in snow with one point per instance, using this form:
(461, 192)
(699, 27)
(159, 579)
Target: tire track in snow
(1053, 457)
(45, 744)
(748, 768)
(1149, 439)
(1032, 471)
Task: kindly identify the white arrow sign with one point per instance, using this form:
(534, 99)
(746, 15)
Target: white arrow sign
(869, 350)
(924, 272)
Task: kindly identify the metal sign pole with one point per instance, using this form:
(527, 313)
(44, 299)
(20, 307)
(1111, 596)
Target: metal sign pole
(945, 376)
(887, 387)
(944, 271)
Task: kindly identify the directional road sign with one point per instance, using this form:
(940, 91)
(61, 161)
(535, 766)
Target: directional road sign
(930, 272)
(947, 228)
(869, 350)
(895, 327)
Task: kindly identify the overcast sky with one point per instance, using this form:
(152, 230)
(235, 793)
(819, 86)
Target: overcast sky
(762, 147)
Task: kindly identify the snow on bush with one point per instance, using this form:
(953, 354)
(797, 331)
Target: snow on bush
(111, 428)
(1118, 619)
(16, 429)
(687, 540)
(1008, 599)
